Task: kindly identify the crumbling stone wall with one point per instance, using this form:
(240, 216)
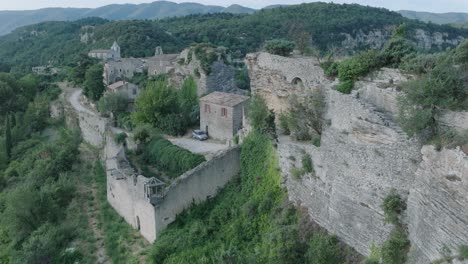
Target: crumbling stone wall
(276, 78)
(364, 154)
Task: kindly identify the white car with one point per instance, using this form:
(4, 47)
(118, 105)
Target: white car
(199, 135)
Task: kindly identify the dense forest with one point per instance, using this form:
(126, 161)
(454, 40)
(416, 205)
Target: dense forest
(58, 43)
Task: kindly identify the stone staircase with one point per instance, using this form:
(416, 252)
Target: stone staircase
(384, 118)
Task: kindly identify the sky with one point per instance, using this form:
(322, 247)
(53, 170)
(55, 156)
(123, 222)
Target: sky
(437, 6)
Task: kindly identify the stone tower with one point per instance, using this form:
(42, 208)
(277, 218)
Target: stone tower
(115, 49)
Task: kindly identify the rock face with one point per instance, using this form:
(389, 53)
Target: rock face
(364, 154)
(438, 203)
(376, 39)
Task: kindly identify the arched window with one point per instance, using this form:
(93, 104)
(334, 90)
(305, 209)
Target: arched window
(297, 81)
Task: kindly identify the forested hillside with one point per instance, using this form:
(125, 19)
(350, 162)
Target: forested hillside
(438, 18)
(322, 25)
(10, 20)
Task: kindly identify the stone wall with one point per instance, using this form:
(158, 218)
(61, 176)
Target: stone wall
(361, 158)
(197, 185)
(93, 128)
(363, 155)
(276, 78)
(126, 189)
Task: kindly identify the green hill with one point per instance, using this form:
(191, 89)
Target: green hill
(437, 18)
(327, 24)
(10, 20)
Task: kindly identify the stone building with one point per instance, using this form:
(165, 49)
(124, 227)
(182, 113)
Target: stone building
(130, 90)
(222, 114)
(106, 54)
(122, 69)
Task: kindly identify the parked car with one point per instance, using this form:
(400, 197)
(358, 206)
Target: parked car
(199, 135)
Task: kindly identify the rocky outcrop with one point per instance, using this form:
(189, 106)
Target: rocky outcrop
(438, 204)
(363, 155)
(376, 39)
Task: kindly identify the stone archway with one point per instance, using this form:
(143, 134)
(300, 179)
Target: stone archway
(297, 81)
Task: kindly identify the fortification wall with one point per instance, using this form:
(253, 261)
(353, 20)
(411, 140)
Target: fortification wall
(93, 128)
(198, 185)
(126, 192)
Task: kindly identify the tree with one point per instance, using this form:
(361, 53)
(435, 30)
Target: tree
(262, 119)
(279, 47)
(94, 85)
(243, 79)
(188, 101)
(461, 54)
(114, 103)
(8, 143)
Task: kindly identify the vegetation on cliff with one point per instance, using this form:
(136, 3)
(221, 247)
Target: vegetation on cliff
(249, 221)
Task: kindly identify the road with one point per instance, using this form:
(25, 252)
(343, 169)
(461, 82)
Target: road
(75, 102)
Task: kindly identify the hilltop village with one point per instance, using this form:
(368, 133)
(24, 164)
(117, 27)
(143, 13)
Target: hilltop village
(290, 135)
(358, 154)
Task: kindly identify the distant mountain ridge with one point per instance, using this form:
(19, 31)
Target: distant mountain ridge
(437, 18)
(10, 20)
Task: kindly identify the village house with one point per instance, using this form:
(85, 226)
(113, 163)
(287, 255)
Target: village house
(106, 54)
(130, 90)
(222, 114)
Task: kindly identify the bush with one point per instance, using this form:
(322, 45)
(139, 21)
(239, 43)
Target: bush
(345, 87)
(120, 138)
(285, 123)
(297, 173)
(169, 158)
(330, 68)
(394, 250)
(392, 206)
(307, 115)
(114, 103)
(463, 252)
(461, 54)
(243, 79)
(358, 66)
(307, 165)
(262, 119)
(279, 47)
(324, 249)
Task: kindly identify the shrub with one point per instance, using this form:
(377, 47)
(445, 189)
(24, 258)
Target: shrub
(297, 173)
(463, 252)
(262, 119)
(120, 138)
(169, 158)
(345, 87)
(316, 141)
(461, 54)
(243, 79)
(394, 250)
(285, 123)
(307, 165)
(324, 249)
(143, 133)
(114, 103)
(330, 68)
(307, 115)
(392, 206)
(353, 68)
(279, 47)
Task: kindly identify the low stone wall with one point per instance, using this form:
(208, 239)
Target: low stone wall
(197, 185)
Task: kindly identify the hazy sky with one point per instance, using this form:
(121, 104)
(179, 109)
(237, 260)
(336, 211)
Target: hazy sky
(419, 5)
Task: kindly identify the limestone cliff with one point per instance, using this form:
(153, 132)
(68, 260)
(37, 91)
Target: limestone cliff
(364, 154)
